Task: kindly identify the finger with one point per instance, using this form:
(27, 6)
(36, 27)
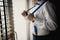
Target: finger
(24, 13)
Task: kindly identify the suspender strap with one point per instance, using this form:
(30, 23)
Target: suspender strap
(35, 29)
(38, 7)
(35, 9)
(29, 9)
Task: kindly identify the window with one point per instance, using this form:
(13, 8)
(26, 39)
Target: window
(6, 22)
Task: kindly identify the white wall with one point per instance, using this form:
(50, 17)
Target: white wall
(19, 21)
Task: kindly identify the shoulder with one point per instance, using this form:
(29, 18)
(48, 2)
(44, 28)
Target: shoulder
(49, 4)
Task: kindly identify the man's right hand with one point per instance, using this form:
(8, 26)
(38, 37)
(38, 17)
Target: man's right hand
(24, 13)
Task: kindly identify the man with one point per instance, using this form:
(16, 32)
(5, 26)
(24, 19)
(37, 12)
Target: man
(44, 19)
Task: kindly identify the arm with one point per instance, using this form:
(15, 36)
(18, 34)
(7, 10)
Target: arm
(50, 17)
(24, 13)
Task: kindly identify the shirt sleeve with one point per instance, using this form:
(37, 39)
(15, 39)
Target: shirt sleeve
(50, 17)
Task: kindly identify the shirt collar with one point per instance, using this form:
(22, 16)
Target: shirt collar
(39, 2)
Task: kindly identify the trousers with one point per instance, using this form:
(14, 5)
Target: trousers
(46, 37)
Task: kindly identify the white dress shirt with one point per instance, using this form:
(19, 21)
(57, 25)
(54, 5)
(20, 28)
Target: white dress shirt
(44, 18)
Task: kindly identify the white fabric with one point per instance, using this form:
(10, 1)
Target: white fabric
(44, 18)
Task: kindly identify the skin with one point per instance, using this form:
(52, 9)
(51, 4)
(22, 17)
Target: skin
(30, 16)
(24, 13)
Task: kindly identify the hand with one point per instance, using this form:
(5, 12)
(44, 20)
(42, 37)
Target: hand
(24, 13)
(30, 17)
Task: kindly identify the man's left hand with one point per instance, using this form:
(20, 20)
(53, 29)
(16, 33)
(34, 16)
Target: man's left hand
(30, 17)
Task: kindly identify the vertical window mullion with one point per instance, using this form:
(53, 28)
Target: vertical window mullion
(5, 20)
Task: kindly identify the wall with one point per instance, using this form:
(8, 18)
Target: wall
(19, 21)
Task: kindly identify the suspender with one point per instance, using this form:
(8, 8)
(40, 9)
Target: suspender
(29, 9)
(38, 7)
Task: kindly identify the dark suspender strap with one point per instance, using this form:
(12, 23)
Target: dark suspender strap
(29, 9)
(35, 29)
(38, 7)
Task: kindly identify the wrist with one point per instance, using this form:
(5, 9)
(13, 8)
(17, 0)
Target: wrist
(33, 20)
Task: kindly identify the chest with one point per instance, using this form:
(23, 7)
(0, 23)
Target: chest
(38, 12)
